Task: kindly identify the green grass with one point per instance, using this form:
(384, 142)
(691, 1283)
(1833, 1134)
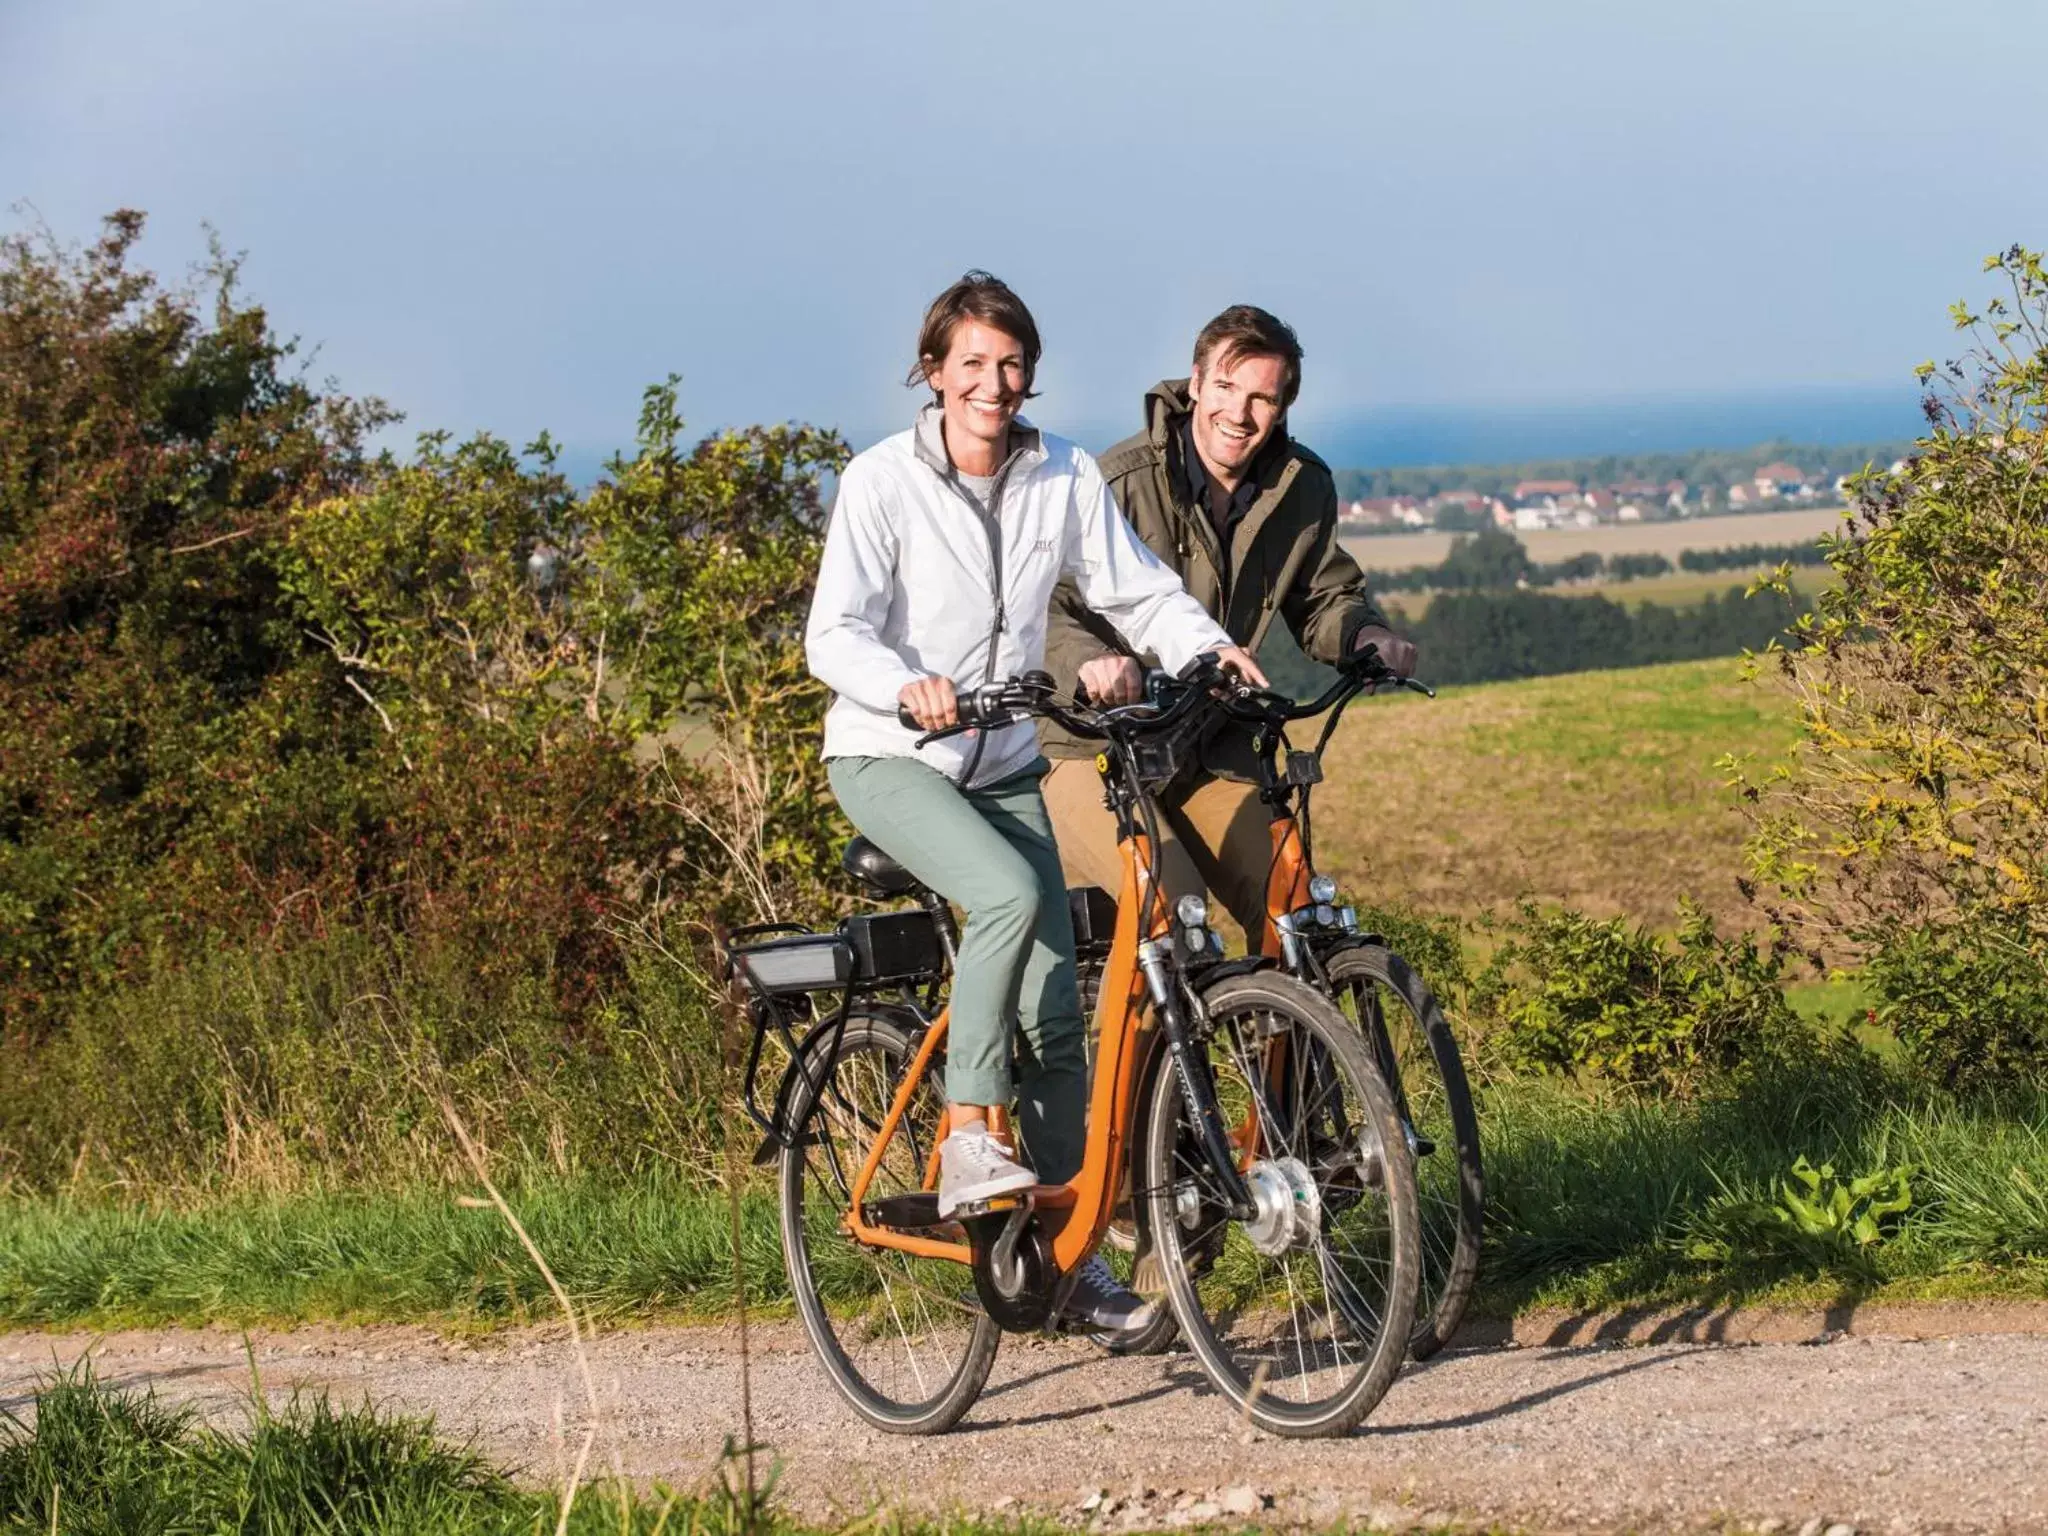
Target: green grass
(97, 1462)
(655, 1245)
(1593, 1201)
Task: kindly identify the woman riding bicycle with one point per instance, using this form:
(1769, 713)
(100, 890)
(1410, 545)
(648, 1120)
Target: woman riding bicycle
(944, 547)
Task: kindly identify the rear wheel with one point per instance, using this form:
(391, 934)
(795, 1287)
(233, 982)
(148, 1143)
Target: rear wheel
(1398, 1018)
(1300, 1315)
(901, 1337)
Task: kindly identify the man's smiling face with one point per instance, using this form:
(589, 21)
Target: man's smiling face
(1237, 404)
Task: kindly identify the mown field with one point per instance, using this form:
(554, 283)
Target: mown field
(1595, 789)
(1396, 551)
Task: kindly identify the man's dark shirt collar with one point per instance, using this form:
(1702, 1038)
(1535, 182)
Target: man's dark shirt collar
(1226, 512)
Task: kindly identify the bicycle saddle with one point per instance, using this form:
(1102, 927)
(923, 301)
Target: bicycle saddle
(876, 870)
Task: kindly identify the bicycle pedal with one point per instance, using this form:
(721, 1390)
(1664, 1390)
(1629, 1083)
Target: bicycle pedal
(967, 1210)
(906, 1213)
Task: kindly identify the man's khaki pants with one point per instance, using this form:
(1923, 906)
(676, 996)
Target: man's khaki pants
(1216, 837)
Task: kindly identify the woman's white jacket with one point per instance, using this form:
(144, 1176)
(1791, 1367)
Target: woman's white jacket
(918, 581)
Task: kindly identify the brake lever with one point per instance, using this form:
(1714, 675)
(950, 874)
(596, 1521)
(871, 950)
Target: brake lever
(943, 732)
(1388, 682)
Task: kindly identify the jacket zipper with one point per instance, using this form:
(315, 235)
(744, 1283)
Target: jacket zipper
(991, 522)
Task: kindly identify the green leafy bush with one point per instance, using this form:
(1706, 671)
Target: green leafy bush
(1969, 1003)
(158, 726)
(1433, 945)
(1608, 1001)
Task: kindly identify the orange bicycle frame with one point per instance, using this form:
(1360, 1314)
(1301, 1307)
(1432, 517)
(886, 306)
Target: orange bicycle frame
(1075, 1214)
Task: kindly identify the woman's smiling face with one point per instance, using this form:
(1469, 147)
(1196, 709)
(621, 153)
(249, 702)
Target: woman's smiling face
(981, 382)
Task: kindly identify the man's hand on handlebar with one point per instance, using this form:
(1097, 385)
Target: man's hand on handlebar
(931, 702)
(1235, 658)
(1394, 653)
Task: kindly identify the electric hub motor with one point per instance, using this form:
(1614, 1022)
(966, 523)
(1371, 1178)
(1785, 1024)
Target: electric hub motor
(1287, 1207)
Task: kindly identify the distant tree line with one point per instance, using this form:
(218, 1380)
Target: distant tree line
(1474, 637)
(1711, 467)
(1495, 560)
(1489, 636)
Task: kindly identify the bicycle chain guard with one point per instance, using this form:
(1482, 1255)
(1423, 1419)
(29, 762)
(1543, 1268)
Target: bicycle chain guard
(1014, 1271)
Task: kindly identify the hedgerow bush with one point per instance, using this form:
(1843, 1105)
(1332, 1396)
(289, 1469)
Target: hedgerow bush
(1968, 1001)
(327, 773)
(1909, 828)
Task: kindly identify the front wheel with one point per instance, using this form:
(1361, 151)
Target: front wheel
(1401, 1023)
(1301, 1313)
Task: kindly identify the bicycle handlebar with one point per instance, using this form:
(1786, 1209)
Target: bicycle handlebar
(1356, 674)
(998, 704)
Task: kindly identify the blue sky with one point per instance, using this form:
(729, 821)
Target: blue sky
(513, 216)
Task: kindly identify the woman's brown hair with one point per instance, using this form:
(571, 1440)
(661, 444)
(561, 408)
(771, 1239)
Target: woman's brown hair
(977, 296)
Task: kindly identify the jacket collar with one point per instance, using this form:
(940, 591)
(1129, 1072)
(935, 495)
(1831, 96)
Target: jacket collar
(928, 441)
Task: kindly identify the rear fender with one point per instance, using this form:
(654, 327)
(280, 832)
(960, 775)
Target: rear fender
(811, 1052)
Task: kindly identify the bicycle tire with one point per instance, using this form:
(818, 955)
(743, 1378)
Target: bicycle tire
(1431, 1090)
(1253, 1316)
(921, 1380)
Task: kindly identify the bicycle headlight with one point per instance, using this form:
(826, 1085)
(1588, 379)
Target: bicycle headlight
(1322, 890)
(1192, 911)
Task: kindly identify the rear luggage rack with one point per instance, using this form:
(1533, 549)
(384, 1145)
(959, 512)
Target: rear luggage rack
(782, 965)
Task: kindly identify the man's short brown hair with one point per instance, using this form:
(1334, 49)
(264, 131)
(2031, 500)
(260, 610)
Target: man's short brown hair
(979, 296)
(1247, 330)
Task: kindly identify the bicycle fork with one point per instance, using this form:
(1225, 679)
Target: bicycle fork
(1162, 980)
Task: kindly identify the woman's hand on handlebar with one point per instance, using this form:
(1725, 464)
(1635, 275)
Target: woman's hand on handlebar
(931, 702)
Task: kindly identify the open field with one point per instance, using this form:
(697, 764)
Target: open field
(1396, 551)
(1597, 789)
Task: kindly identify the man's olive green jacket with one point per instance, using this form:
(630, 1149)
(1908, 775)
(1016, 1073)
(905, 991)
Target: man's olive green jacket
(1284, 559)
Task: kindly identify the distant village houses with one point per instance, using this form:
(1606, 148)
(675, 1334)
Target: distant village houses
(1535, 504)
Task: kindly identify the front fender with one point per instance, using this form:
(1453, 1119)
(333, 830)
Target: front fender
(1223, 970)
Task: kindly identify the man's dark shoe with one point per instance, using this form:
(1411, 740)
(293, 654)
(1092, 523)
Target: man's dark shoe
(1104, 1303)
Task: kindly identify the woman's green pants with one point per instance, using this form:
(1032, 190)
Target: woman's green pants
(991, 853)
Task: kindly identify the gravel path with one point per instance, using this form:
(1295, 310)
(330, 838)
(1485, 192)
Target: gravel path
(1881, 1433)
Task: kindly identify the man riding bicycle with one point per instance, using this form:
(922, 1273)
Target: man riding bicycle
(944, 547)
(1247, 516)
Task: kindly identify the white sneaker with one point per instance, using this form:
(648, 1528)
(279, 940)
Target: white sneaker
(973, 1165)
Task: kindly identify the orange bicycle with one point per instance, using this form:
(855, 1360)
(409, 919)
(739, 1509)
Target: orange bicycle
(1270, 1159)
